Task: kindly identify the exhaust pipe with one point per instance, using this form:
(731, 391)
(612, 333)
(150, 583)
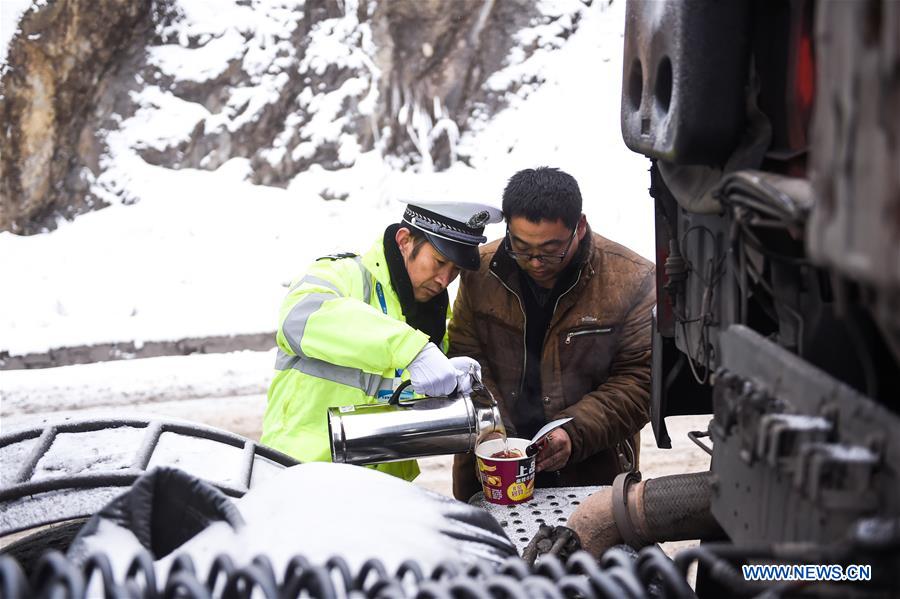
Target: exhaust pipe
(639, 513)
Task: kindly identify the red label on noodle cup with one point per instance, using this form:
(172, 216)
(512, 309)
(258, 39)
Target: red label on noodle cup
(505, 481)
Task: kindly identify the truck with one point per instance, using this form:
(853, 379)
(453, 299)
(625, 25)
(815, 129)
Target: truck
(773, 136)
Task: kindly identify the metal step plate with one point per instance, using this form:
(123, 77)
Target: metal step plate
(548, 506)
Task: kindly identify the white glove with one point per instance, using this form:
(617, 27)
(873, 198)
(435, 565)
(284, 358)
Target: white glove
(431, 373)
(468, 371)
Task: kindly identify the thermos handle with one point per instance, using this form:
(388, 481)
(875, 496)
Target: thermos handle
(395, 397)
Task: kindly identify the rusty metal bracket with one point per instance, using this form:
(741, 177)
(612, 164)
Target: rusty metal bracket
(620, 508)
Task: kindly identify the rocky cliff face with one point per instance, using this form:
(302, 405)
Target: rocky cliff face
(56, 68)
(435, 57)
(284, 85)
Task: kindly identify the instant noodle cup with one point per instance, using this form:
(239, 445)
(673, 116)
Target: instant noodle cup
(505, 481)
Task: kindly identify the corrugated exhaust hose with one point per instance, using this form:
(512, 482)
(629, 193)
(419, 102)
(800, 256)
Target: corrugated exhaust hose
(669, 508)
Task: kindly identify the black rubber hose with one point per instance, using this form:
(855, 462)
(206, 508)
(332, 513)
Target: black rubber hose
(678, 507)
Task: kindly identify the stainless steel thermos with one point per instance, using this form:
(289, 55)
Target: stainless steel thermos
(393, 431)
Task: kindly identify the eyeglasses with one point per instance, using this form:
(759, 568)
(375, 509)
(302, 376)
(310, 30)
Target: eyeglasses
(542, 258)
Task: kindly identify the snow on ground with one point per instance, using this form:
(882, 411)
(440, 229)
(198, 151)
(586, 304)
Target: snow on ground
(123, 384)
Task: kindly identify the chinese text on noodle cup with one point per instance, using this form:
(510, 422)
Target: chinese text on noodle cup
(507, 480)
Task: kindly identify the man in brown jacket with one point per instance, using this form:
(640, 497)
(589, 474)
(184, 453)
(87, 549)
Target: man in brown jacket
(559, 318)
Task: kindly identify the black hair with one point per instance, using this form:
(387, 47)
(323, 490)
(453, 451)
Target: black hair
(543, 193)
(418, 237)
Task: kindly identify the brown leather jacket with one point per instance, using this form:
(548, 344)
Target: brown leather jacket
(596, 357)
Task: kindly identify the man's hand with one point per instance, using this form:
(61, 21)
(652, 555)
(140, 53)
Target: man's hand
(554, 455)
(468, 371)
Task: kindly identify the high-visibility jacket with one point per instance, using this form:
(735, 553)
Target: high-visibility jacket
(337, 347)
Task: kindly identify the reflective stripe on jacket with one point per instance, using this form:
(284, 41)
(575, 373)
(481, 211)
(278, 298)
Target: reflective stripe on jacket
(336, 347)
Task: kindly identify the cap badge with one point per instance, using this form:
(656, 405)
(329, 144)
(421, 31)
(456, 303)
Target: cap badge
(479, 219)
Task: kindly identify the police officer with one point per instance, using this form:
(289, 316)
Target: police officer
(354, 327)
